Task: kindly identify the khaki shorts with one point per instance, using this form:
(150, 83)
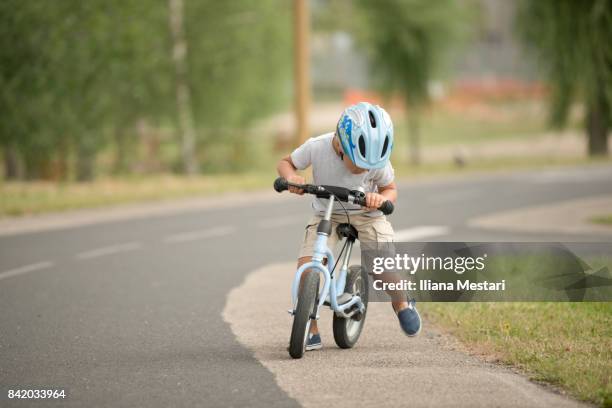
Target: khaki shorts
(370, 229)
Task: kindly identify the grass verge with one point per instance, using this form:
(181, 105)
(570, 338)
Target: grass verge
(565, 344)
(504, 121)
(499, 164)
(602, 219)
(23, 198)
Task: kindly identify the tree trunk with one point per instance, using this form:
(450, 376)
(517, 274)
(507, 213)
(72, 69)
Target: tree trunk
(12, 165)
(63, 160)
(301, 60)
(598, 125)
(36, 164)
(414, 137)
(183, 94)
(85, 161)
(121, 154)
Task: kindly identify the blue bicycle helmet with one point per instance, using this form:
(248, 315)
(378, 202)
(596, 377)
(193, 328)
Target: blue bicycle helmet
(366, 135)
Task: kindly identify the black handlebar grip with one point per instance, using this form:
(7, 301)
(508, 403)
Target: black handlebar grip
(280, 184)
(387, 207)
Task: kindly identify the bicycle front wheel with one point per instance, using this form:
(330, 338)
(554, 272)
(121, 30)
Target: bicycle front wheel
(348, 330)
(304, 312)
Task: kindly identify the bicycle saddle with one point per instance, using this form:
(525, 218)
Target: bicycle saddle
(346, 230)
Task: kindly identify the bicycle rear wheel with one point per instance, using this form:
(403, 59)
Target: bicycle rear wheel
(305, 310)
(348, 330)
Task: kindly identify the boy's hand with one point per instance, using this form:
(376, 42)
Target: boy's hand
(374, 200)
(295, 179)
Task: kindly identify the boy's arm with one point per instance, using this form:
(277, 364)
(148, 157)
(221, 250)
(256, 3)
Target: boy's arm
(375, 200)
(287, 169)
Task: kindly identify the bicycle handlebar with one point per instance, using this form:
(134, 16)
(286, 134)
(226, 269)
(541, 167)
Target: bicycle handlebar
(341, 193)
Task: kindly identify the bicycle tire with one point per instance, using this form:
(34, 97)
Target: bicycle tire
(306, 307)
(348, 330)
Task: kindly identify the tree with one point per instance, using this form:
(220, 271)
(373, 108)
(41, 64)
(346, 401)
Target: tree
(572, 40)
(21, 30)
(75, 77)
(407, 39)
(183, 91)
(71, 71)
(239, 59)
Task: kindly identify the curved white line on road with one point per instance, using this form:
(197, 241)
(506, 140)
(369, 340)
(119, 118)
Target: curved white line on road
(199, 234)
(109, 250)
(385, 369)
(25, 269)
(417, 233)
(565, 217)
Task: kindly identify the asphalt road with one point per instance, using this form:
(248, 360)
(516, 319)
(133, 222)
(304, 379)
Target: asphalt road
(129, 313)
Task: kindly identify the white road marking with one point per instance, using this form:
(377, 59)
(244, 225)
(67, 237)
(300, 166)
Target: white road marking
(26, 269)
(109, 250)
(417, 233)
(562, 217)
(199, 234)
(279, 222)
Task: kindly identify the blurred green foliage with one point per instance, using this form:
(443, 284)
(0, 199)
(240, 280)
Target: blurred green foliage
(408, 40)
(572, 40)
(77, 77)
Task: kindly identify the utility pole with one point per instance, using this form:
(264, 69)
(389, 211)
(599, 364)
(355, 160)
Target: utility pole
(183, 95)
(301, 34)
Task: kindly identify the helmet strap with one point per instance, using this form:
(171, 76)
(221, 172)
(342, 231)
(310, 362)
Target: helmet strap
(339, 152)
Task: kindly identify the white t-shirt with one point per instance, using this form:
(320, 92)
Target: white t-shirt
(329, 169)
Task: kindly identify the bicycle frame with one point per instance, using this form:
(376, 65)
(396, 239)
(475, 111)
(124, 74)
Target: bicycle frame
(332, 285)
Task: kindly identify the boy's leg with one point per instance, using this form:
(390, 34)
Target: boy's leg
(378, 229)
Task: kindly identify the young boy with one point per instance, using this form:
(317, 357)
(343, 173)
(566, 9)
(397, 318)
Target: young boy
(355, 156)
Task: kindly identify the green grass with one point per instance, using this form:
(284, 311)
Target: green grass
(602, 219)
(565, 344)
(493, 165)
(22, 198)
(498, 121)
(505, 121)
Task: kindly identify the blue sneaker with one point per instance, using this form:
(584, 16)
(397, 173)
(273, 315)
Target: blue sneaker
(313, 342)
(409, 319)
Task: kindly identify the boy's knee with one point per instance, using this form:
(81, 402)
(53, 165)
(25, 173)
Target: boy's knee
(303, 260)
